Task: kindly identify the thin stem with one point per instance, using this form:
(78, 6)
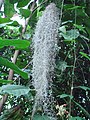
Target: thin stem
(61, 12)
(72, 80)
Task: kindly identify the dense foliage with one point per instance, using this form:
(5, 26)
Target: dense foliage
(71, 84)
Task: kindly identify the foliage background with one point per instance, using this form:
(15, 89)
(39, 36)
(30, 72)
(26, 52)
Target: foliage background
(71, 85)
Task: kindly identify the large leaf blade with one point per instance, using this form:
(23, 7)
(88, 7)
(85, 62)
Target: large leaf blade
(16, 90)
(14, 67)
(19, 44)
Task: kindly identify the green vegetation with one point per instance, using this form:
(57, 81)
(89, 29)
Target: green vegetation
(71, 81)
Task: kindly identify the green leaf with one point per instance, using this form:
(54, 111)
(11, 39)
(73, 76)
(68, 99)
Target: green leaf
(23, 3)
(63, 29)
(39, 117)
(5, 62)
(65, 95)
(4, 24)
(84, 88)
(13, 1)
(61, 65)
(71, 7)
(16, 90)
(75, 7)
(80, 27)
(5, 81)
(85, 55)
(8, 9)
(76, 118)
(5, 20)
(71, 34)
(3, 74)
(81, 13)
(19, 44)
(25, 12)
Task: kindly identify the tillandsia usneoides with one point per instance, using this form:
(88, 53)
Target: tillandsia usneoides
(44, 45)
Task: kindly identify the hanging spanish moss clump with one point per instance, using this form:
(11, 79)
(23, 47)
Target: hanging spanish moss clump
(45, 44)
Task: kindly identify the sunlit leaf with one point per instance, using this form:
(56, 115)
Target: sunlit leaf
(80, 27)
(19, 44)
(5, 81)
(85, 55)
(25, 12)
(5, 20)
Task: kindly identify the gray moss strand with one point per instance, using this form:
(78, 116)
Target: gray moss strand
(44, 44)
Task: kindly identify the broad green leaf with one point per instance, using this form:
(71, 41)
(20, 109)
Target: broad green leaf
(8, 9)
(14, 24)
(5, 81)
(19, 44)
(5, 62)
(16, 90)
(5, 20)
(39, 117)
(65, 95)
(23, 3)
(13, 1)
(84, 87)
(85, 55)
(25, 12)
(71, 34)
